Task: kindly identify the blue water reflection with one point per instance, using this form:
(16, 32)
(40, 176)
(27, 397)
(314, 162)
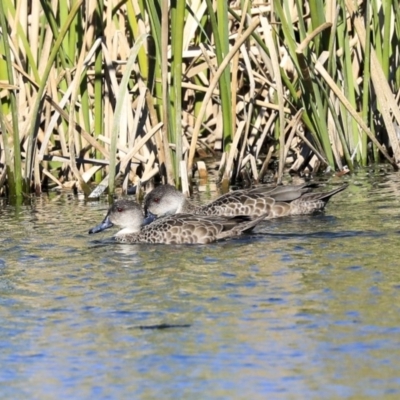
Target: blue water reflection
(305, 307)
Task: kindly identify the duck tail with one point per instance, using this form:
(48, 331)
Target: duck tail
(325, 196)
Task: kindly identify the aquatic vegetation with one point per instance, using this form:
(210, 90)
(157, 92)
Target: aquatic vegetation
(117, 93)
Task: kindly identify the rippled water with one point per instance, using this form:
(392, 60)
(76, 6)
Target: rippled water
(306, 307)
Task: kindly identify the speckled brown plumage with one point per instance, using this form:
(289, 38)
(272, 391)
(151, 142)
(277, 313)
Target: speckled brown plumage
(175, 229)
(272, 202)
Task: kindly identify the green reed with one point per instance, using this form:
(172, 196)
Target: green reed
(85, 89)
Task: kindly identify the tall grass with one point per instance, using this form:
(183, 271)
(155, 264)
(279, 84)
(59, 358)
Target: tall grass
(10, 134)
(95, 95)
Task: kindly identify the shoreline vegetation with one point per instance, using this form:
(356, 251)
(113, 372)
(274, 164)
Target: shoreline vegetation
(94, 93)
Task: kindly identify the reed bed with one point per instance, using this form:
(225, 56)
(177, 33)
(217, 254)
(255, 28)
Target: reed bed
(98, 94)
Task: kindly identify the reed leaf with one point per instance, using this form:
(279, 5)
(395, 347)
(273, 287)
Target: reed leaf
(121, 102)
(219, 27)
(350, 124)
(211, 88)
(334, 64)
(366, 111)
(387, 15)
(271, 44)
(134, 25)
(98, 83)
(175, 89)
(42, 86)
(11, 141)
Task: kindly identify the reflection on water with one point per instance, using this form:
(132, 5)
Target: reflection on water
(305, 307)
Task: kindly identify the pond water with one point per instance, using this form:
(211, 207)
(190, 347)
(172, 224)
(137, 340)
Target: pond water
(305, 307)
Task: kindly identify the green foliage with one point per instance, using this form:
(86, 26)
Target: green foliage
(101, 117)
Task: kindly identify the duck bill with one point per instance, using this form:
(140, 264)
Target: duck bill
(101, 227)
(150, 217)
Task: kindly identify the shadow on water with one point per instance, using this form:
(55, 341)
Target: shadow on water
(304, 307)
(163, 326)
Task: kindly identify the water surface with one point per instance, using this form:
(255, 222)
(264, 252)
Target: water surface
(305, 307)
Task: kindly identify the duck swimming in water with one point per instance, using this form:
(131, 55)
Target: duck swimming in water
(273, 202)
(174, 229)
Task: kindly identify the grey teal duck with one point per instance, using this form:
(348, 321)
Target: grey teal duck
(174, 229)
(273, 202)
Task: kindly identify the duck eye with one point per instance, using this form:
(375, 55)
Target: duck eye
(156, 200)
(120, 209)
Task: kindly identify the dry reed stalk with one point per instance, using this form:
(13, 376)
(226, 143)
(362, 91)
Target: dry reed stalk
(265, 164)
(382, 89)
(213, 83)
(249, 113)
(270, 43)
(234, 80)
(292, 126)
(265, 83)
(233, 151)
(72, 133)
(346, 103)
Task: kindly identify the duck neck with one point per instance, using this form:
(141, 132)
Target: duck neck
(186, 207)
(127, 230)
